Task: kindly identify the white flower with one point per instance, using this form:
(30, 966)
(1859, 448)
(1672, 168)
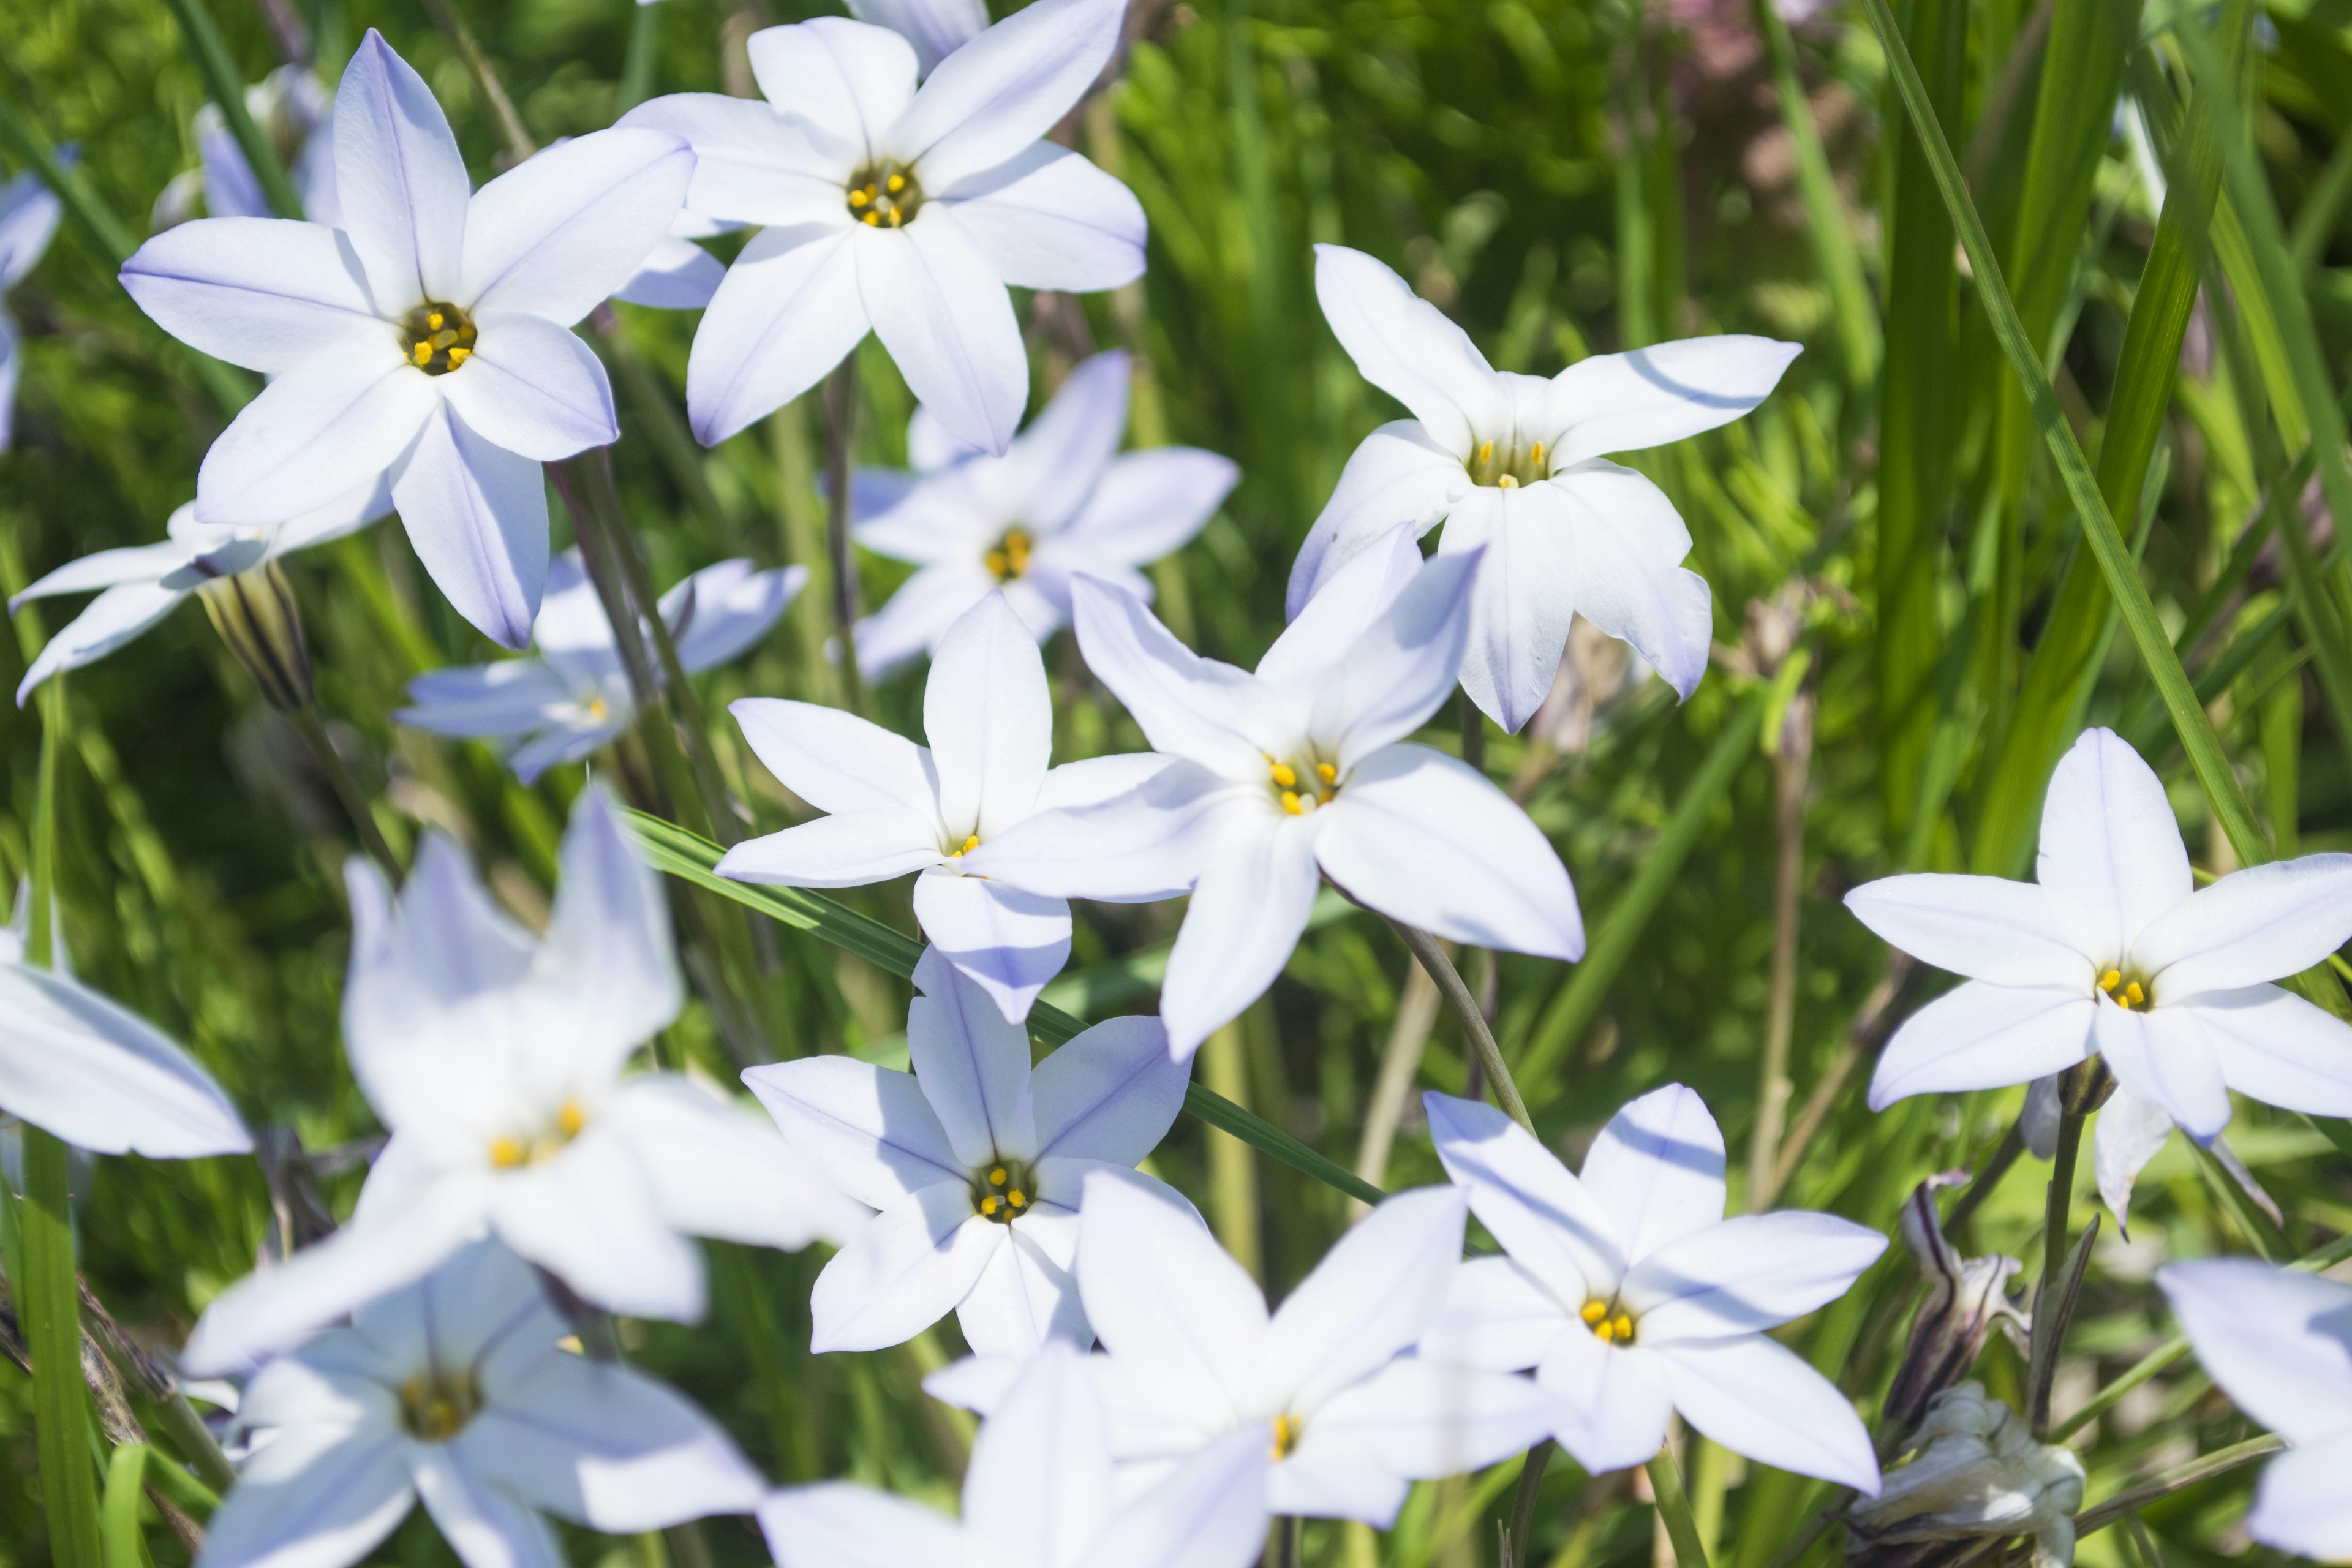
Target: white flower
(1038, 1494)
(30, 211)
(292, 108)
(574, 697)
(901, 211)
(899, 808)
(453, 1391)
(85, 1069)
(1292, 774)
(496, 1060)
(936, 28)
(1512, 464)
(1633, 1297)
(428, 339)
(1062, 500)
(976, 1164)
(141, 583)
(1978, 1472)
(2280, 1343)
(2114, 952)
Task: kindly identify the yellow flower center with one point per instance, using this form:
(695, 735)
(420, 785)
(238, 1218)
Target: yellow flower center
(1610, 1324)
(435, 1406)
(883, 195)
(509, 1153)
(1302, 787)
(1287, 1428)
(1507, 467)
(1003, 1192)
(437, 336)
(2128, 992)
(1010, 557)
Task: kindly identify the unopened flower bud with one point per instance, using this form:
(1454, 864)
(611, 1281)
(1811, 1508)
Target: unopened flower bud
(1966, 1296)
(1978, 1473)
(254, 612)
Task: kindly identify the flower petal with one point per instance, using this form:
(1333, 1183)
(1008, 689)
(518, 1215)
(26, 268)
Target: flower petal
(973, 1064)
(904, 1271)
(1424, 1420)
(115, 617)
(1111, 1093)
(2131, 1132)
(1745, 1273)
(2279, 1343)
(936, 28)
(1655, 396)
(1371, 1297)
(1612, 1404)
(1210, 1513)
(677, 275)
(317, 432)
(2109, 840)
(2277, 1047)
(1405, 346)
(1549, 1222)
(1628, 579)
(1165, 1298)
(95, 1074)
(266, 293)
(477, 515)
(846, 82)
(752, 163)
(487, 1526)
(1023, 1300)
(1332, 1481)
(1091, 781)
(1497, 1316)
(400, 180)
(1249, 908)
(719, 1171)
(2166, 1056)
(911, 621)
(1983, 1037)
(1008, 943)
(868, 1129)
(1524, 601)
(1146, 505)
(556, 234)
(999, 93)
(1755, 1397)
(1395, 674)
(1146, 844)
(315, 1497)
(834, 761)
(2253, 925)
(1397, 476)
(840, 1524)
(1193, 707)
(2007, 933)
(943, 311)
(2301, 1504)
(989, 717)
(590, 1217)
(1047, 218)
(1656, 1170)
(533, 388)
(851, 851)
(1038, 1488)
(722, 611)
(1054, 465)
(788, 311)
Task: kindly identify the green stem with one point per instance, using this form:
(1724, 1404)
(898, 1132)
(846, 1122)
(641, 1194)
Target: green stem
(1523, 1504)
(2059, 1209)
(1675, 1510)
(226, 84)
(461, 38)
(118, 1522)
(840, 415)
(1473, 1018)
(347, 790)
(645, 50)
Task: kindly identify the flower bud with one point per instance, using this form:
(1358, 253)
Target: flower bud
(1966, 1296)
(1978, 1473)
(254, 612)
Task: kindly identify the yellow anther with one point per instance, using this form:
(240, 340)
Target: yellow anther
(1507, 483)
(1604, 1330)
(597, 710)
(2111, 979)
(2134, 995)
(1594, 1311)
(507, 1153)
(859, 198)
(1535, 454)
(1623, 1325)
(898, 184)
(434, 321)
(1327, 772)
(1290, 802)
(873, 220)
(571, 1118)
(999, 1176)
(1285, 774)
(569, 1345)
(1486, 453)
(994, 561)
(420, 353)
(1017, 1198)
(987, 1204)
(459, 356)
(971, 843)
(1286, 1434)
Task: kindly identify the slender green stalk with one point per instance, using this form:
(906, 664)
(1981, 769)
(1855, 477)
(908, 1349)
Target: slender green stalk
(2205, 1467)
(840, 418)
(1675, 1510)
(1441, 969)
(644, 55)
(461, 39)
(2058, 1209)
(225, 83)
(347, 789)
(1826, 224)
(1523, 1504)
(126, 1472)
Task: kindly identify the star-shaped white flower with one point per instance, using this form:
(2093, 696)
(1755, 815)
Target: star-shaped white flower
(454, 1391)
(139, 584)
(574, 697)
(896, 807)
(1039, 1494)
(1633, 1297)
(1297, 771)
(29, 212)
(1063, 500)
(426, 338)
(2114, 952)
(900, 211)
(1512, 465)
(85, 1069)
(976, 1164)
(2280, 1343)
(496, 1061)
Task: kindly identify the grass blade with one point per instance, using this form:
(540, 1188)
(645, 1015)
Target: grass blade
(226, 85)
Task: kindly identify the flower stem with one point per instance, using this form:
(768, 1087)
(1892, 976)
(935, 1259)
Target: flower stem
(347, 790)
(1473, 1019)
(225, 84)
(2061, 1197)
(1674, 1510)
(840, 411)
(1523, 1505)
(461, 39)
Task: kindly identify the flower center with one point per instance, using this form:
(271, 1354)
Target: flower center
(511, 1153)
(1298, 799)
(1287, 1428)
(1611, 1324)
(1003, 1193)
(884, 196)
(971, 842)
(1010, 556)
(438, 336)
(1507, 467)
(435, 1406)
(2130, 992)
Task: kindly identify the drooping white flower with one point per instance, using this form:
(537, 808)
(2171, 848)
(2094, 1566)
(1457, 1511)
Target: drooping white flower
(88, 1070)
(454, 1391)
(2280, 1343)
(2114, 952)
(1039, 1494)
(1063, 500)
(426, 338)
(294, 109)
(896, 807)
(574, 697)
(1977, 1474)
(976, 1164)
(1512, 466)
(496, 1061)
(141, 583)
(29, 212)
(936, 28)
(1633, 1297)
(1297, 771)
(901, 211)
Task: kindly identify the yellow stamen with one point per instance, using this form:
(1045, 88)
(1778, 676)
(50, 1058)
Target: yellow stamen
(971, 843)
(2134, 995)
(571, 1118)
(459, 356)
(1290, 802)
(1017, 1198)
(1507, 483)
(987, 1204)
(420, 353)
(898, 184)
(1535, 453)
(1604, 1330)
(2110, 980)
(1623, 1325)
(1285, 774)
(999, 1176)
(1486, 453)
(859, 198)
(1286, 1434)
(873, 220)
(434, 321)
(1327, 772)
(506, 1153)
(1594, 1311)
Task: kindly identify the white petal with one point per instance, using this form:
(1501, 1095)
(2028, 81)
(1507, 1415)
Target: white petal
(722, 611)
(840, 1524)
(1148, 844)
(1052, 465)
(2109, 840)
(911, 621)
(1091, 781)
(677, 275)
(1008, 943)
(113, 619)
(1188, 705)
(1745, 1273)
(1164, 1298)
(2250, 926)
(2009, 934)
(1369, 1299)
(476, 514)
(29, 213)
(558, 232)
(146, 565)
(102, 1078)
(1396, 477)
(1211, 1513)
(589, 1218)
(719, 1171)
(2166, 1056)
(868, 1129)
(1612, 1404)
(941, 310)
(752, 165)
(1628, 544)
(1395, 674)
(1147, 505)
(787, 313)
(2277, 1047)
(328, 425)
(1333, 1481)
(400, 180)
(904, 1271)
(936, 28)
(1023, 1300)
(1047, 218)
(1424, 1420)
(533, 388)
(1426, 838)
(1249, 908)
(834, 761)
(265, 293)
(2278, 1343)
(2130, 1133)
(1552, 1224)
(487, 1526)
(1524, 600)
(1038, 1488)
(1651, 396)
(1983, 1037)
(311, 1498)
(1109, 1094)
(1005, 88)
(1656, 1170)
(1406, 347)
(1497, 1316)
(973, 1064)
(845, 851)
(2301, 1504)
(1755, 1397)
(845, 80)
(989, 717)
